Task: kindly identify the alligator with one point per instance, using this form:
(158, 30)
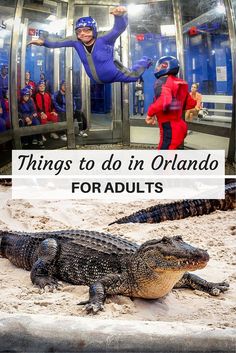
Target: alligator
(6, 181)
(108, 264)
(182, 209)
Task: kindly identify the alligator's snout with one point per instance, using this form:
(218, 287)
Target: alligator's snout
(197, 259)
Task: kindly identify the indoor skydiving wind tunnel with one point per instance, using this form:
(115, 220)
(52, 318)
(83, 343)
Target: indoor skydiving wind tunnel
(201, 34)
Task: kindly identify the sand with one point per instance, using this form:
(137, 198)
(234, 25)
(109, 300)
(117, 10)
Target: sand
(215, 232)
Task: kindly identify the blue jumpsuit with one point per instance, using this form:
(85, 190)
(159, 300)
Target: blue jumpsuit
(3, 84)
(28, 109)
(3, 116)
(100, 65)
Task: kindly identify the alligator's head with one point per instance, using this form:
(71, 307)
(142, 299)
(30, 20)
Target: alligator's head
(172, 254)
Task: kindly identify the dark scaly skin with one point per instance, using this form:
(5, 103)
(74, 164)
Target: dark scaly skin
(108, 264)
(5, 181)
(182, 209)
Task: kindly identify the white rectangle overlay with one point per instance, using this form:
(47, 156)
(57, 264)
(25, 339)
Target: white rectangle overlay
(117, 188)
(130, 163)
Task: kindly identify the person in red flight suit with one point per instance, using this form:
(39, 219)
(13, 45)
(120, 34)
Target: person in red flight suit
(171, 100)
(45, 110)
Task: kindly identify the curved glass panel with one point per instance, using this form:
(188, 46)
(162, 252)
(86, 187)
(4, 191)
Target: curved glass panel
(77, 94)
(208, 60)
(152, 34)
(100, 117)
(101, 93)
(38, 64)
(7, 9)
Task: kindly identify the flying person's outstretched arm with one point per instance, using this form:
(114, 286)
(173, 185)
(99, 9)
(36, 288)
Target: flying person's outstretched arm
(120, 24)
(66, 42)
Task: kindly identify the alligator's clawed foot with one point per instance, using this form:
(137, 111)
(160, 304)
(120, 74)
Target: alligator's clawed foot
(46, 282)
(217, 288)
(92, 307)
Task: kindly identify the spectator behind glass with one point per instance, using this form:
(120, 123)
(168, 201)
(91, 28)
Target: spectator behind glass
(47, 83)
(32, 91)
(3, 80)
(6, 115)
(28, 81)
(59, 101)
(3, 115)
(139, 96)
(44, 107)
(28, 117)
(193, 113)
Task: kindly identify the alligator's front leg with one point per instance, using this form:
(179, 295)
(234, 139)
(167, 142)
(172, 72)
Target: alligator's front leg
(192, 281)
(41, 272)
(110, 284)
(96, 300)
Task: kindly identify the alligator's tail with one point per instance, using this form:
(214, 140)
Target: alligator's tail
(182, 209)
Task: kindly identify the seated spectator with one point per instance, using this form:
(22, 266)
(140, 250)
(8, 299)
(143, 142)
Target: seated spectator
(29, 82)
(190, 114)
(47, 83)
(5, 123)
(80, 117)
(32, 91)
(59, 100)
(3, 126)
(6, 101)
(3, 79)
(45, 110)
(28, 116)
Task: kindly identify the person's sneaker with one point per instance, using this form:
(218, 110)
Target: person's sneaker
(34, 142)
(44, 138)
(83, 134)
(54, 136)
(189, 132)
(63, 137)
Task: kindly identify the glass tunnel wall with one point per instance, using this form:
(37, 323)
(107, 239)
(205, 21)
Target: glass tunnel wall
(203, 45)
(206, 55)
(207, 48)
(7, 11)
(152, 34)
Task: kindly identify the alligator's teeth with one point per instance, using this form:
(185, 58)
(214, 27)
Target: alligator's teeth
(186, 262)
(178, 262)
(193, 263)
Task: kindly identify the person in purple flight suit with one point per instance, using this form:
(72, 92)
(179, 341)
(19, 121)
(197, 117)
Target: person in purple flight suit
(96, 50)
